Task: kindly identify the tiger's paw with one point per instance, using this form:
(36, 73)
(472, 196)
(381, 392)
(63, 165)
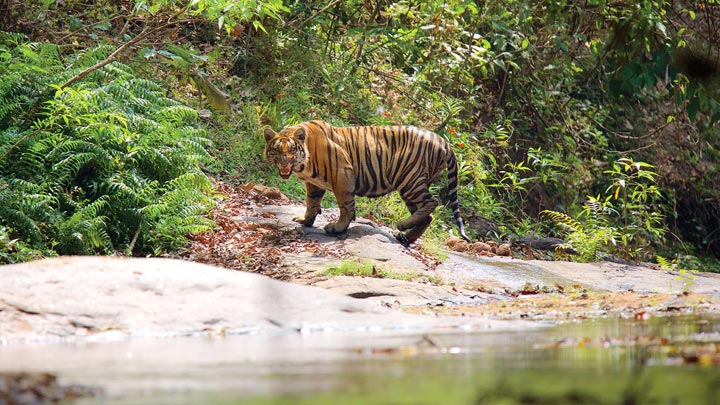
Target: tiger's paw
(402, 239)
(335, 228)
(304, 222)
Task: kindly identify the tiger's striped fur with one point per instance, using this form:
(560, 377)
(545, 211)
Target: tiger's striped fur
(368, 161)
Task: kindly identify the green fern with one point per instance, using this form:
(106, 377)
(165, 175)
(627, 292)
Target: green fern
(588, 239)
(563, 220)
(666, 264)
(110, 164)
(84, 232)
(13, 250)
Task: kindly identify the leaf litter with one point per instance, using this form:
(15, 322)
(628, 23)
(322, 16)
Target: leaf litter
(243, 242)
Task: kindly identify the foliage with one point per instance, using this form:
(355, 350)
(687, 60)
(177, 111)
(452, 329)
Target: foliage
(535, 98)
(107, 165)
(623, 222)
(14, 250)
(588, 240)
(230, 14)
(685, 274)
(365, 269)
(542, 100)
(635, 194)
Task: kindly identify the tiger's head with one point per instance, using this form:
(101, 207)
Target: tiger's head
(286, 150)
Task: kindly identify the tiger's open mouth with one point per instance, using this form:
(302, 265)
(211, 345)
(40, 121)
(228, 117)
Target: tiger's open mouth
(285, 171)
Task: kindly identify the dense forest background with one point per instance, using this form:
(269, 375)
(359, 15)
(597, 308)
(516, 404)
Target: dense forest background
(595, 121)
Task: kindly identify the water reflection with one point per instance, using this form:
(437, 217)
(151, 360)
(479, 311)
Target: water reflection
(661, 360)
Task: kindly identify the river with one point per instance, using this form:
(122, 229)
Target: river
(667, 360)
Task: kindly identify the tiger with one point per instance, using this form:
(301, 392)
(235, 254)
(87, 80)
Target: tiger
(368, 161)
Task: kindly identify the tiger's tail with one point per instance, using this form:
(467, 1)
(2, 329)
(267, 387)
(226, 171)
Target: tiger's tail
(452, 173)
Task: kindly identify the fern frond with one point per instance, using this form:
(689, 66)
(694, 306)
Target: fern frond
(18, 220)
(144, 88)
(72, 165)
(91, 56)
(140, 124)
(563, 220)
(92, 210)
(91, 164)
(190, 181)
(178, 114)
(25, 186)
(85, 230)
(12, 38)
(666, 264)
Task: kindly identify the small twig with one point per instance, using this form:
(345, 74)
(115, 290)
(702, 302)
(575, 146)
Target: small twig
(389, 78)
(134, 239)
(124, 29)
(21, 140)
(638, 149)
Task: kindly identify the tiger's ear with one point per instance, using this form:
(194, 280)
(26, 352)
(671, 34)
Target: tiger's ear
(300, 134)
(269, 134)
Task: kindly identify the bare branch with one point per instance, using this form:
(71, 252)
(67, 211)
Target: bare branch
(122, 48)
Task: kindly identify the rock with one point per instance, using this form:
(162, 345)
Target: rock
(495, 274)
(507, 274)
(481, 247)
(101, 298)
(270, 192)
(457, 244)
(363, 240)
(677, 303)
(481, 225)
(542, 243)
(398, 293)
(368, 241)
(503, 250)
(38, 388)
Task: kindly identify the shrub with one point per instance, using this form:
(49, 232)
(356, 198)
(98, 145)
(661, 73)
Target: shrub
(109, 164)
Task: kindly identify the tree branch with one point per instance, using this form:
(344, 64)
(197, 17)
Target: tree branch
(107, 61)
(140, 37)
(21, 140)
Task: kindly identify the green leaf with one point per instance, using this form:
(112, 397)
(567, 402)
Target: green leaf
(258, 26)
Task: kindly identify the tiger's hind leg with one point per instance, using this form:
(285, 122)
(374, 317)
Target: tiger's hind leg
(421, 205)
(411, 235)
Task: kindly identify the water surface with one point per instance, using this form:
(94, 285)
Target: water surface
(668, 360)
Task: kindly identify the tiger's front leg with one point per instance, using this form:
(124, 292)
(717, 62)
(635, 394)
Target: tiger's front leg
(346, 202)
(313, 198)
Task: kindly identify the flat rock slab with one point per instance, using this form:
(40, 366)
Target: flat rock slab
(506, 274)
(398, 293)
(621, 277)
(106, 298)
(368, 241)
(364, 239)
